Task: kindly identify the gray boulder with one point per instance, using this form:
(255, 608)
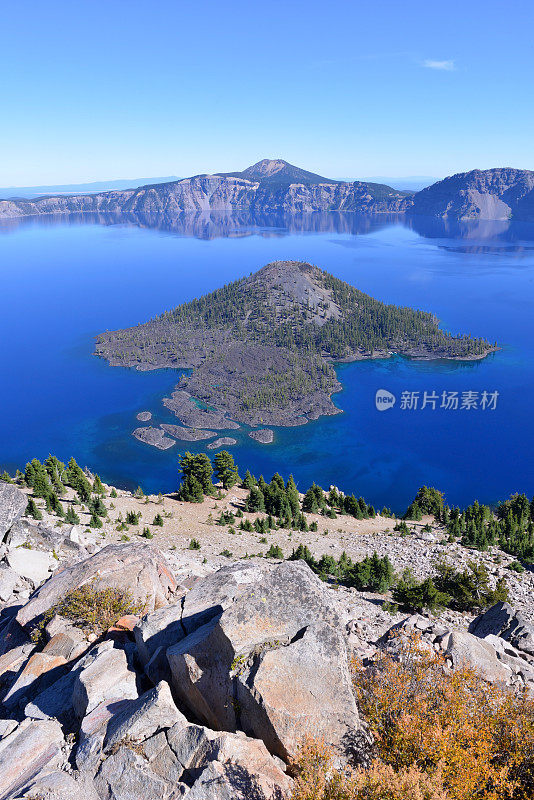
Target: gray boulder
(112, 722)
(239, 768)
(65, 540)
(504, 621)
(467, 650)
(56, 701)
(34, 565)
(147, 748)
(39, 672)
(13, 504)
(11, 633)
(7, 726)
(194, 762)
(11, 663)
(58, 785)
(138, 568)
(8, 581)
(126, 775)
(108, 677)
(273, 663)
(207, 599)
(33, 748)
(145, 716)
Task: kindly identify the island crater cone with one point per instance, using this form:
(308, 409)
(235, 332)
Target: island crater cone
(261, 349)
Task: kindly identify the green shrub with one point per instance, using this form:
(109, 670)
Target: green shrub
(274, 551)
(226, 518)
(93, 610)
(32, 510)
(469, 589)
(516, 566)
(401, 528)
(71, 516)
(419, 596)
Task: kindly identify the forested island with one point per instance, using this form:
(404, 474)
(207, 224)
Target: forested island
(261, 349)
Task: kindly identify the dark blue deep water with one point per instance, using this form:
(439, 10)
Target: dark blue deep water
(63, 281)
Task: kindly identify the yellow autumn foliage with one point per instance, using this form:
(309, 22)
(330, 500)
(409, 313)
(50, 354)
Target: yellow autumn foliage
(438, 735)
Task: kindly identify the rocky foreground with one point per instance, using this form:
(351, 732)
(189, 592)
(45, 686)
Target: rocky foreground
(167, 676)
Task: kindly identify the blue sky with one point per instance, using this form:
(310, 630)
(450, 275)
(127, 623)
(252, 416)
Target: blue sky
(96, 90)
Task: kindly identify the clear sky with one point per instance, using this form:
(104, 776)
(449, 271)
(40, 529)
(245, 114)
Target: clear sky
(102, 89)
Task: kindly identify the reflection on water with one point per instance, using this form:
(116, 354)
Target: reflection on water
(214, 225)
(485, 237)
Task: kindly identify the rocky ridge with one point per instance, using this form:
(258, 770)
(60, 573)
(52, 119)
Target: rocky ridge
(274, 186)
(495, 194)
(269, 186)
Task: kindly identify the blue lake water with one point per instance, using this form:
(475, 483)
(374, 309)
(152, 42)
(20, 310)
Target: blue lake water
(63, 281)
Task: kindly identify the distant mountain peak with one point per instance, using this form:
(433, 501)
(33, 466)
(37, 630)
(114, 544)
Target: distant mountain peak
(277, 172)
(267, 167)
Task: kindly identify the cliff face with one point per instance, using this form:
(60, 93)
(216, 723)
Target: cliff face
(276, 187)
(220, 193)
(266, 187)
(481, 194)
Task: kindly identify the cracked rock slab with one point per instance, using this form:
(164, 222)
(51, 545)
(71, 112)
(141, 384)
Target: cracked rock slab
(13, 504)
(272, 663)
(32, 747)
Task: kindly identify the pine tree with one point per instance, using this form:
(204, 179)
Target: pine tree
(249, 481)
(292, 496)
(274, 551)
(255, 500)
(76, 478)
(95, 521)
(190, 490)
(53, 505)
(72, 517)
(225, 469)
(40, 481)
(198, 466)
(96, 506)
(32, 510)
(98, 488)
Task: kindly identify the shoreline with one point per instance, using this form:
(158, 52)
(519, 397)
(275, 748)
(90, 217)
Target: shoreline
(216, 410)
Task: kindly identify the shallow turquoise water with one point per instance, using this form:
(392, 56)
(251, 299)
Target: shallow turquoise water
(64, 281)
